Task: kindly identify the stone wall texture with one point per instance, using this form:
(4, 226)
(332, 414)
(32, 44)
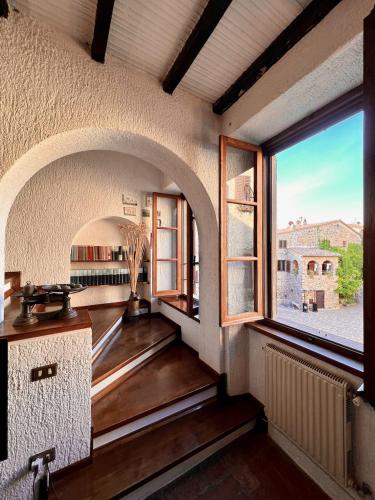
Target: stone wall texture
(336, 232)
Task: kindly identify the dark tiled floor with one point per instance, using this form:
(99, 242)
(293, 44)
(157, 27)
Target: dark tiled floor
(251, 467)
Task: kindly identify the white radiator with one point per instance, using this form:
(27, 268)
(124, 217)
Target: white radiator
(312, 408)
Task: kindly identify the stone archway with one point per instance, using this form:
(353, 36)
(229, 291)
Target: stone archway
(88, 139)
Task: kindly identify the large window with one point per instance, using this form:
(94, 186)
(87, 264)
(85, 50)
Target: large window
(319, 229)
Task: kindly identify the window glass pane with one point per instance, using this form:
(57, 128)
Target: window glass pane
(166, 212)
(166, 276)
(319, 217)
(241, 287)
(240, 174)
(240, 230)
(167, 244)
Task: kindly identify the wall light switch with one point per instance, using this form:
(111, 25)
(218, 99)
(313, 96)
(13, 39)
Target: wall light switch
(42, 372)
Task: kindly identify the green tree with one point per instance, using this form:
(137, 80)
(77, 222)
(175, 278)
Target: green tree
(350, 270)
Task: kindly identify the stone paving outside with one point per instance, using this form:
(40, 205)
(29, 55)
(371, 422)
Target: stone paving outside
(346, 322)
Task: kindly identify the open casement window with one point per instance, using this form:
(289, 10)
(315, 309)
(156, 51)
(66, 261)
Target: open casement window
(166, 254)
(240, 231)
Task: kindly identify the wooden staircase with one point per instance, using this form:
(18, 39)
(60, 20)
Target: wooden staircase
(157, 410)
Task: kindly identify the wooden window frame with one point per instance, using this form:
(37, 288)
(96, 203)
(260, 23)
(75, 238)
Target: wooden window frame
(330, 114)
(155, 260)
(174, 299)
(225, 319)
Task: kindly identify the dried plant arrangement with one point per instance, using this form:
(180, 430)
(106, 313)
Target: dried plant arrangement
(135, 239)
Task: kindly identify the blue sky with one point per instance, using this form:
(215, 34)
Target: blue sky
(321, 178)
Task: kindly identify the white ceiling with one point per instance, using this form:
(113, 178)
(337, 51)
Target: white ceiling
(149, 34)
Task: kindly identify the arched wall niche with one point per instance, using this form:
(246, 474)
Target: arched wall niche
(104, 231)
(94, 139)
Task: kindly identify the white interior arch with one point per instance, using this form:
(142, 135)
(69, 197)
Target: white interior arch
(89, 139)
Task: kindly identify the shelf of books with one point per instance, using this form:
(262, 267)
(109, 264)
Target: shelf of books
(80, 253)
(99, 277)
(102, 275)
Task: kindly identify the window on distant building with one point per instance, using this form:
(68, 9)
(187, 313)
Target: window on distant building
(281, 265)
(295, 267)
(327, 267)
(312, 267)
(319, 181)
(282, 244)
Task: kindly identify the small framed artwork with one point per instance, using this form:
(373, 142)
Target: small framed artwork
(130, 210)
(128, 200)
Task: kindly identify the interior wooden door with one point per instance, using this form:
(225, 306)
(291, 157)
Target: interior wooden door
(166, 245)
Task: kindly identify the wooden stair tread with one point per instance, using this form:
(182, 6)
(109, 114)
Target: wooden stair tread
(125, 464)
(130, 341)
(172, 375)
(103, 319)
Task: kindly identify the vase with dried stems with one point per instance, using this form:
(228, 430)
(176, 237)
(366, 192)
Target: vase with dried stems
(135, 238)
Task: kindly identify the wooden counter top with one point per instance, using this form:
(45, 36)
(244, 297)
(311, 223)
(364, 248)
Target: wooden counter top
(46, 327)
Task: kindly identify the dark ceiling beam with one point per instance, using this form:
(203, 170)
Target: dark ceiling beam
(214, 11)
(103, 19)
(4, 8)
(302, 24)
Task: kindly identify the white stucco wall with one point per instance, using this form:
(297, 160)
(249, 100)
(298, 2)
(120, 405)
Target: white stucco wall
(363, 426)
(54, 211)
(78, 200)
(54, 412)
(58, 102)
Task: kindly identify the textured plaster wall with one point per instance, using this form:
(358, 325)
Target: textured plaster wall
(363, 428)
(79, 201)
(57, 101)
(54, 412)
(54, 210)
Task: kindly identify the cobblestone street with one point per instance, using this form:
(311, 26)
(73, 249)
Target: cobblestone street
(346, 322)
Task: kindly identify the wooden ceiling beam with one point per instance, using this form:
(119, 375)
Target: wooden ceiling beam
(214, 11)
(302, 24)
(103, 19)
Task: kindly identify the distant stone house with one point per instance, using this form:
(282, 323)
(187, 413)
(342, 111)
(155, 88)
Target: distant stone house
(305, 272)
(307, 275)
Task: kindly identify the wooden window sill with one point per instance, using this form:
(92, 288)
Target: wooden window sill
(323, 353)
(180, 304)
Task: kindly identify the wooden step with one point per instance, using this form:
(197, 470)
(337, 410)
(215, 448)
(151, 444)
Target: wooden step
(105, 322)
(169, 383)
(139, 465)
(132, 344)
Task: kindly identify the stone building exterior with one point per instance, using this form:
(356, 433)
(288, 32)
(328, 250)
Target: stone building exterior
(305, 272)
(307, 275)
(337, 232)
